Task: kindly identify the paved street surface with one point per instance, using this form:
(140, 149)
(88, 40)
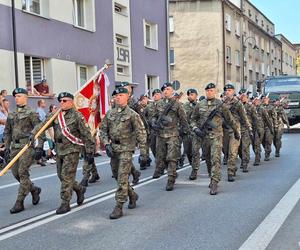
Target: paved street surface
(259, 210)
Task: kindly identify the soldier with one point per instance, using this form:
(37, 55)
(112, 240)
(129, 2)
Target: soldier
(206, 122)
(120, 129)
(168, 116)
(244, 149)
(279, 125)
(188, 145)
(239, 114)
(16, 135)
(71, 132)
(269, 133)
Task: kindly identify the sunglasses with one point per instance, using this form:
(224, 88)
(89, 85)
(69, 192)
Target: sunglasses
(64, 100)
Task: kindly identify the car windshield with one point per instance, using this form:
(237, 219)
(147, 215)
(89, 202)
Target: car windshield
(283, 85)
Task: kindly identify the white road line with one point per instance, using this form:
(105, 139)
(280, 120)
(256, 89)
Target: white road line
(99, 198)
(51, 175)
(267, 229)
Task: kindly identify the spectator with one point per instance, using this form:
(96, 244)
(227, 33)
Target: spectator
(3, 117)
(43, 88)
(31, 92)
(41, 109)
(50, 139)
(3, 92)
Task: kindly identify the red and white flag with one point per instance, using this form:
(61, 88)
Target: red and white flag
(92, 99)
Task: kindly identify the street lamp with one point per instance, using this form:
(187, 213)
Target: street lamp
(244, 40)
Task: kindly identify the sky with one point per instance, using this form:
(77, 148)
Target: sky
(284, 14)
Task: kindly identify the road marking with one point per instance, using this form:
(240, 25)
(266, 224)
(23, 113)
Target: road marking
(43, 219)
(51, 175)
(265, 232)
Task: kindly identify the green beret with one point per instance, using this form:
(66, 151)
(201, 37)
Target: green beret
(176, 94)
(64, 94)
(156, 91)
(122, 84)
(229, 86)
(113, 93)
(167, 84)
(210, 86)
(121, 90)
(243, 91)
(19, 91)
(201, 98)
(191, 91)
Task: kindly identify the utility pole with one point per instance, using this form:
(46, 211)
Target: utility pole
(13, 16)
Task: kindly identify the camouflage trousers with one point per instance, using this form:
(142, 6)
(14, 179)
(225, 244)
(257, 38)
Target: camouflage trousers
(244, 149)
(225, 148)
(167, 154)
(213, 150)
(66, 172)
(20, 171)
(88, 169)
(267, 141)
(121, 165)
(196, 145)
(233, 148)
(277, 139)
(257, 143)
(188, 147)
(153, 142)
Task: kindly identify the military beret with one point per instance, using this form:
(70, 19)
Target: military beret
(243, 91)
(64, 94)
(229, 86)
(19, 91)
(122, 84)
(192, 91)
(167, 84)
(156, 91)
(210, 86)
(201, 98)
(176, 94)
(121, 90)
(113, 93)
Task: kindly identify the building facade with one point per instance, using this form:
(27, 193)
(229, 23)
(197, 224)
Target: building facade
(297, 46)
(66, 42)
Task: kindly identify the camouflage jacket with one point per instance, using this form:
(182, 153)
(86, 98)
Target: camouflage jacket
(78, 127)
(281, 117)
(176, 116)
(141, 110)
(123, 127)
(202, 111)
(189, 108)
(272, 114)
(238, 112)
(18, 127)
(251, 115)
(263, 118)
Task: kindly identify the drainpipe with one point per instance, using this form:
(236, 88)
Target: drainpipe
(224, 47)
(15, 42)
(168, 41)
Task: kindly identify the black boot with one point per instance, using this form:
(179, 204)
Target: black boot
(267, 157)
(256, 161)
(80, 195)
(64, 208)
(225, 160)
(94, 178)
(245, 169)
(213, 188)
(84, 182)
(157, 173)
(277, 153)
(18, 207)
(36, 195)
(149, 162)
(116, 213)
(136, 177)
(132, 200)
(181, 161)
(170, 184)
(193, 175)
(230, 178)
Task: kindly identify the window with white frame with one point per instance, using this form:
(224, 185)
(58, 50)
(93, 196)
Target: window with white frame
(84, 14)
(33, 6)
(172, 56)
(120, 9)
(228, 22)
(228, 54)
(34, 69)
(171, 24)
(152, 82)
(79, 12)
(82, 75)
(150, 35)
(237, 28)
(122, 70)
(237, 58)
(121, 39)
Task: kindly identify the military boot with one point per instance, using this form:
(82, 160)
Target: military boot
(84, 182)
(80, 195)
(230, 178)
(267, 157)
(193, 175)
(157, 173)
(36, 195)
(132, 200)
(245, 168)
(277, 154)
(18, 207)
(94, 178)
(117, 212)
(64, 208)
(225, 160)
(136, 177)
(213, 188)
(170, 184)
(149, 162)
(181, 161)
(256, 161)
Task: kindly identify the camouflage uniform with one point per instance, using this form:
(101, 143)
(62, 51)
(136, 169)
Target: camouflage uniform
(88, 170)
(16, 135)
(239, 114)
(122, 127)
(214, 136)
(167, 144)
(149, 115)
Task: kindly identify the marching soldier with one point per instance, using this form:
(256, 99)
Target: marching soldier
(71, 133)
(16, 135)
(206, 122)
(168, 116)
(120, 129)
(239, 114)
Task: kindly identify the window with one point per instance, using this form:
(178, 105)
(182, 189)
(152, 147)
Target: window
(150, 35)
(84, 14)
(34, 69)
(237, 58)
(33, 6)
(228, 72)
(237, 28)
(82, 75)
(122, 70)
(121, 39)
(238, 75)
(79, 12)
(228, 22)
(171, 24)
(120, 9)
(228, 54)
(256, 19)
(172, 56)
(262, 23)
(262, 68)
(152, 82)
(249, 13)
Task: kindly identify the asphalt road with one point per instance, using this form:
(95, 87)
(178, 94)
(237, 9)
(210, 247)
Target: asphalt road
(259, 210)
